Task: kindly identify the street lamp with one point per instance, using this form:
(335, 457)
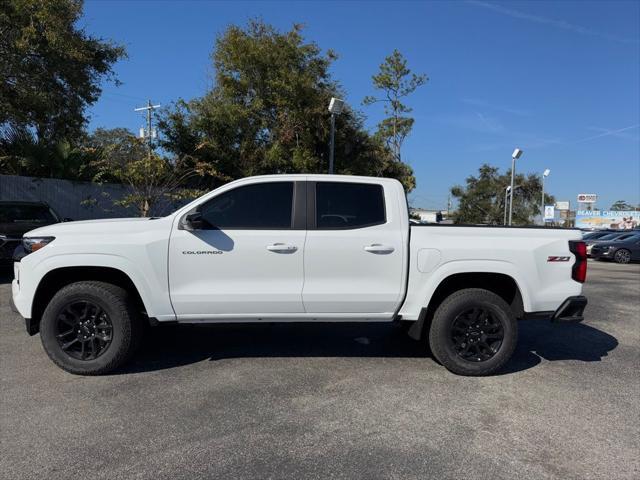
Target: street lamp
(517, 153)
(545, 174)
(506, 193)
(335, 107)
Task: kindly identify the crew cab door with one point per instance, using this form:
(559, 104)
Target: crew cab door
(355, 252)
(246, 259)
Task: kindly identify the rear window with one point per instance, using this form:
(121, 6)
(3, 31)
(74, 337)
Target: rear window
(341, 205)
(26, 214)
(611, 236)
(594, 235)
(626, 236)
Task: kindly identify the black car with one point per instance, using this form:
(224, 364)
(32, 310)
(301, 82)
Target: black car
(17, 218)
(624, 249)
(609, 237)
(596, 235)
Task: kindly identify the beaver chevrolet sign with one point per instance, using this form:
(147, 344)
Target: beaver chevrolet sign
(619, 220)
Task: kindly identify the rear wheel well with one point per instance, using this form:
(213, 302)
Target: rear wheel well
(502, 285)
(56, 279)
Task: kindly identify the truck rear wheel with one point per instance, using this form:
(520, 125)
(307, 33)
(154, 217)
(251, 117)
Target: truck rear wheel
(473, 332)
(90, 328)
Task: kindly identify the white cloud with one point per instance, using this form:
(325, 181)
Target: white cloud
(562, 24)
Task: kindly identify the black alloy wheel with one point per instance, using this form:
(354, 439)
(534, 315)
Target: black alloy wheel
(83, 330)
(622, 256)
(477, 334)
(473, 332)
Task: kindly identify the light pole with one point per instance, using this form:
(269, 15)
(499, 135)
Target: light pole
(545, 174)
(517, 153)
(335, 107)
(506, 192)
(506, 199)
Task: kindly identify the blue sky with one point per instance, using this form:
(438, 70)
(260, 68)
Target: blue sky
(560, 80)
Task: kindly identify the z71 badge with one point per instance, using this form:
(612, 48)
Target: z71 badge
(558, 259)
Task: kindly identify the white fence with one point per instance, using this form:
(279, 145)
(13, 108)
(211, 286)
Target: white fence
(75, 200)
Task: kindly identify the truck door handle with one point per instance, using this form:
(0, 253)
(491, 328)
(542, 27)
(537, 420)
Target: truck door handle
(379, 249)
(281, 248)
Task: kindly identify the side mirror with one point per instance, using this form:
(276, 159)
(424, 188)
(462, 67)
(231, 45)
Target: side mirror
(193, 221)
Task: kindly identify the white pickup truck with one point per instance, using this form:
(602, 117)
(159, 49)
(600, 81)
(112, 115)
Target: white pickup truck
(294, 248)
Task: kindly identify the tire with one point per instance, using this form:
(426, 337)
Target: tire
(474, 332)
(108, 334)
(622, 256)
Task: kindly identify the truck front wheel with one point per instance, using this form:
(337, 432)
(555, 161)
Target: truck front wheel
(473, 332)
(90, 328)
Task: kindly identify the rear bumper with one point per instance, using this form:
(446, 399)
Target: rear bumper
(570, 311)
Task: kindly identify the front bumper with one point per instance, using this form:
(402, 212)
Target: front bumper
(571, 310)
(597, 254)
(31, 326)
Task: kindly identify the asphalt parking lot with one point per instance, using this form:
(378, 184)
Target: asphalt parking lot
(333, 401)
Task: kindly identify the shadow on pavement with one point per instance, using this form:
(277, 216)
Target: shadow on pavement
(540, 339)
(173, 346)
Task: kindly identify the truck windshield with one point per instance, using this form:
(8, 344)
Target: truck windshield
(16, 213)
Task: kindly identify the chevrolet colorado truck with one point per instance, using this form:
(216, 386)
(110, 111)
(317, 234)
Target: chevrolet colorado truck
(294, 248)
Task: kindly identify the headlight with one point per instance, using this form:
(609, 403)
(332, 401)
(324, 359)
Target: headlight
(31, 244)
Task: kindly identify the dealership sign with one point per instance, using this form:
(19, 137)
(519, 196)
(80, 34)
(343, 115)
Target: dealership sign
(549, 213)
(619, 220)
(587, 197)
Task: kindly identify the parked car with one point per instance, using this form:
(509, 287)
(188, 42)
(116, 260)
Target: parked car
(17, 218)
(604, 238)
(624, 249)
(295, 248)
(596, 235)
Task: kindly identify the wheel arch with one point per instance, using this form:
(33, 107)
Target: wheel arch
(502, 284)
(60, 277)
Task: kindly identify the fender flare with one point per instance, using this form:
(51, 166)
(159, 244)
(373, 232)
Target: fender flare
(111, 261)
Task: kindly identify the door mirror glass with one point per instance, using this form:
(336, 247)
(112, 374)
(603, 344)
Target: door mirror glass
(193, 221)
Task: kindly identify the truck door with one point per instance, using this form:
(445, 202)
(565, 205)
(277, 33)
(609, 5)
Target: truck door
(354, 259)
(246, 259)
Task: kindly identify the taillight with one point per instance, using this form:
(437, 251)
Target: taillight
(579, 270)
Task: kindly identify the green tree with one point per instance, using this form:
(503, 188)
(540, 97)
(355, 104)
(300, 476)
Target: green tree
(22, 153)
(621, 205)
(481, 200)
(153, 181)
(267, 112)
(50, 69)
(396, 81)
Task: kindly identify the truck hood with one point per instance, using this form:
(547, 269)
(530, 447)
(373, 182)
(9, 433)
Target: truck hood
(106, 225)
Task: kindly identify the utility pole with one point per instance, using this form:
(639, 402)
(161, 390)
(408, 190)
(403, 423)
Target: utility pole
(150, 133)
(448, 206)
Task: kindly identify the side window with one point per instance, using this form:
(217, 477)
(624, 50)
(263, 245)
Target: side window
(342, 205)
(261, 206)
